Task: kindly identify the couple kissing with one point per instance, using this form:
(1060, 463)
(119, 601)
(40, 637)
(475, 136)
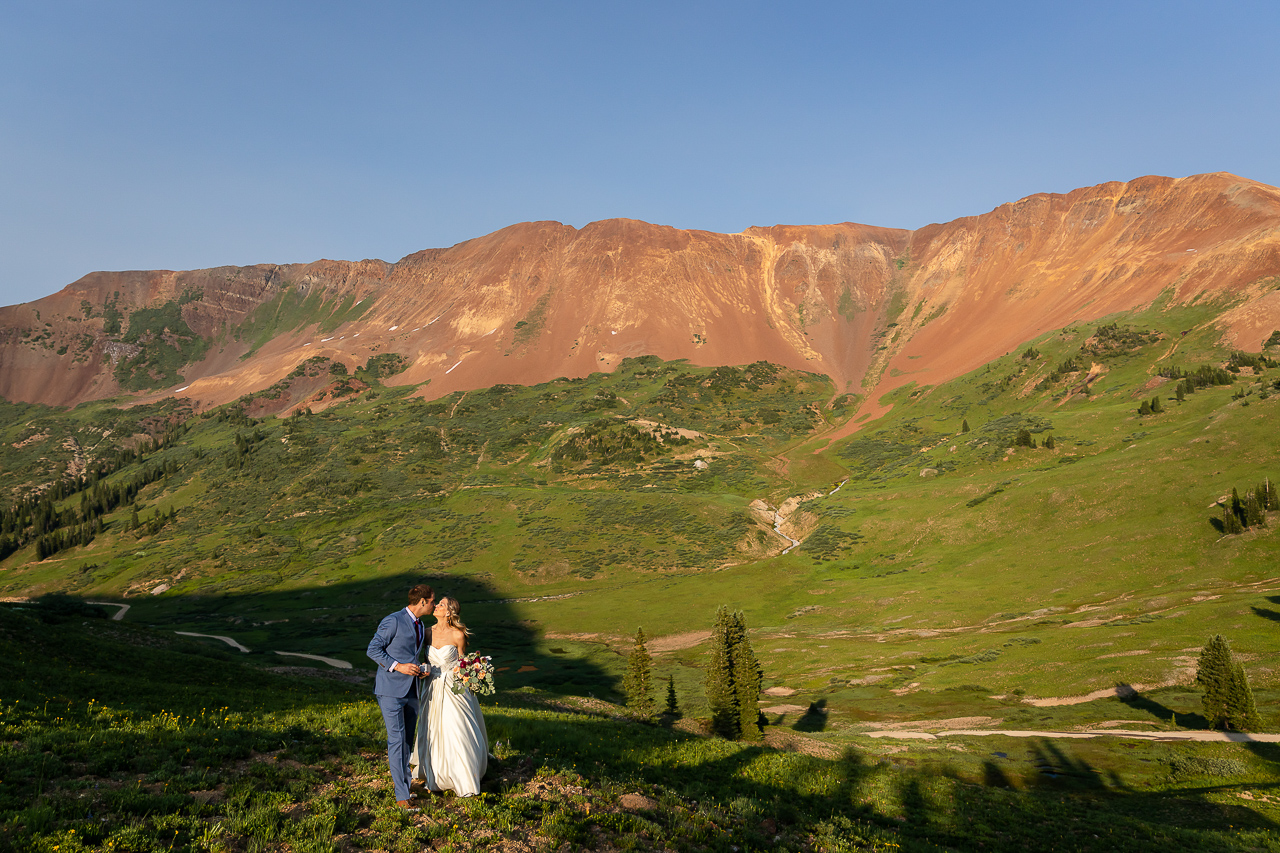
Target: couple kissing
(431, 723)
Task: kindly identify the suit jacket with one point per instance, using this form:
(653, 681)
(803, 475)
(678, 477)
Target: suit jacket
(395, 642)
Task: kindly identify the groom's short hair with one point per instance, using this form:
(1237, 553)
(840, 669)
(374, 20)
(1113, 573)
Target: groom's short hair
(420, 592)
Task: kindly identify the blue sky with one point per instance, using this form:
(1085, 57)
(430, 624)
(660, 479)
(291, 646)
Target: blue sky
(181, 135)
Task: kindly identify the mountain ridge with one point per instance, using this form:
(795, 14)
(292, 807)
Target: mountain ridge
(873, 308)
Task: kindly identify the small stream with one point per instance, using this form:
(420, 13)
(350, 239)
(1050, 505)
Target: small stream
(779, 518)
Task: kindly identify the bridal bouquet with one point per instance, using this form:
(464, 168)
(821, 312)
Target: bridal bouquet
(474, 673)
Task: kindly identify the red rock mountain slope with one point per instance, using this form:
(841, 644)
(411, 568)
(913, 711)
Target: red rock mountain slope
(873, 308)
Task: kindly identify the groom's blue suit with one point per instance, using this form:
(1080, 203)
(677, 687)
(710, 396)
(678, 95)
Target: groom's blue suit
(397, 641)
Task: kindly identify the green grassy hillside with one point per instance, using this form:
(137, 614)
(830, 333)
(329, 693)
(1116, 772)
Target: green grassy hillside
(954, 573)
(120, 738)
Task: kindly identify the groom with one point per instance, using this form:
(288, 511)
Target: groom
(394, 648)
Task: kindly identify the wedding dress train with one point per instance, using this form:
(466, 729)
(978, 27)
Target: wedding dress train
(451, 731)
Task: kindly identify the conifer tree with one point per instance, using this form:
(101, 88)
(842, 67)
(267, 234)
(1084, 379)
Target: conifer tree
(1048, 442)
(721, 697)
(1145, 408)
(1231, 522)
(747, 677)
(1156, 407)
(733, 679)
(1237, 506)
(964, 426)
(637, 683)
(1253, 512)
(1244, 716)
(1215, 674)
(1273, 500)
(1179, 394)
(673, 709)
(1228, 700)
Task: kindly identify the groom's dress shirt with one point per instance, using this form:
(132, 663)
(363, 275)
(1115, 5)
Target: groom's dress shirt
(417, 632)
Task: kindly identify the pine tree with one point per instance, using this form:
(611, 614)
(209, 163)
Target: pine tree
(1156, 408)
(1145, 408)
(1215, 674)
(747, 677)
(1179, 394)
(1231, 522)
(721, 697)
(637, 683)
(1253, 512)
(672, 709)
(1237, 507)
(1244, 711)
(733, 679)
(1273, 500)
(964, 426)
(1228, 700)
(1048, 442)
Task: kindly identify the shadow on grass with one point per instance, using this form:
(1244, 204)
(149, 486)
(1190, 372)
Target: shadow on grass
(337, 620)
(814, 719)
(1273, 615)
(1070, 806)
(1055, 762)
(1135, 700)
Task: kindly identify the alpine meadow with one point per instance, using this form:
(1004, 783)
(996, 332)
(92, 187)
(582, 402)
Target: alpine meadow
(829, 538)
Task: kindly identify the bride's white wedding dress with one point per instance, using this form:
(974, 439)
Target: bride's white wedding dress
(450, 730)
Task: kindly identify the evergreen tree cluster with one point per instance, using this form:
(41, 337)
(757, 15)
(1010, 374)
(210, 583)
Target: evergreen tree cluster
(1228, 700)
(1239, 359)
(733, 679)
(1024, 438)
(1151, 407)
(1204, 376)
(245, 443)
(1239, 514)
(38, 518)
(608, 442)
(1070, 365)
(1113, 339)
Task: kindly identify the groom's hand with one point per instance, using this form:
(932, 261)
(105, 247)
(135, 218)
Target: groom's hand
(408, 669)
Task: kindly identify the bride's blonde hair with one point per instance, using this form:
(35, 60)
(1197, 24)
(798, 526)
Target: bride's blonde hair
(451, 611)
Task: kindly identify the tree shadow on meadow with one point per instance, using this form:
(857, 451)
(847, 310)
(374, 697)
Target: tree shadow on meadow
(1138, 702)
(1061, 805)
(337, 620)
(814, 719)
(1267, 613)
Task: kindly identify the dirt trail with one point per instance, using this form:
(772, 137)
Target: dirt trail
(227, 640)
(1232, 737)
(124, 608)
(119, 614)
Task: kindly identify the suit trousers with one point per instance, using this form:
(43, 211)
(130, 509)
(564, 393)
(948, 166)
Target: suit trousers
(400, 714)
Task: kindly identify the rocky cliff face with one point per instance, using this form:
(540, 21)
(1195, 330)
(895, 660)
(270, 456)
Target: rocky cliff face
(872, 308)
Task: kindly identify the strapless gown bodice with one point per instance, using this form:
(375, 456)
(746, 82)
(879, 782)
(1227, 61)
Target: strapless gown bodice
(443, 659)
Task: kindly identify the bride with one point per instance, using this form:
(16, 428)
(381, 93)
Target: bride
(451, 728)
